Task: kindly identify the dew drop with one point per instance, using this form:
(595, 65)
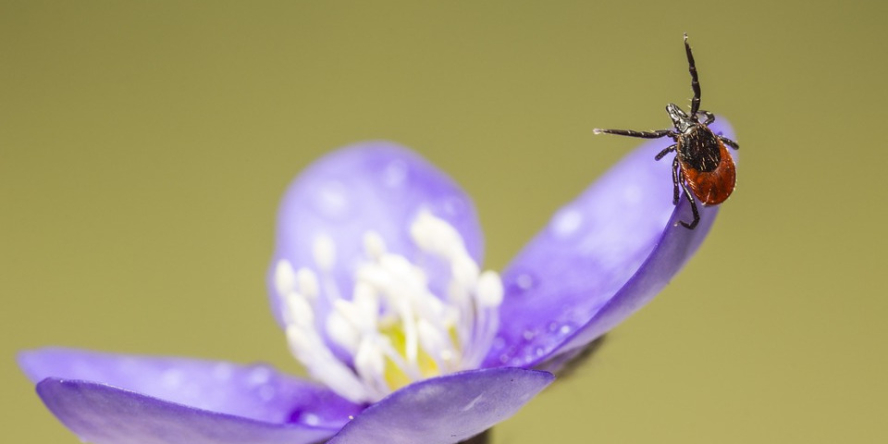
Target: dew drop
(525, 281)
(566, 222)
(453, 205)
(311, 419)
(565, 329)
(222, 372)
(528, 335)
(394, 174)
(259, 375)
(538, 351)
(508, 354)
(331, 200)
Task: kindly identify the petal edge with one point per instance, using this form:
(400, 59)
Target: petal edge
(102, 414)
(447, 409)
(255, 391)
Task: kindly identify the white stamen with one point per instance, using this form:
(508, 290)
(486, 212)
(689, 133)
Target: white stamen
(342, 332)
(369, 360)
(298, 312)
(284, 277)
(465, 271)
(324, 252)
(490, 289)
(307, 283)
(374, 245)
(320, 362)
(394, 327)
(435, 235)
(437, 346)
(367, 304)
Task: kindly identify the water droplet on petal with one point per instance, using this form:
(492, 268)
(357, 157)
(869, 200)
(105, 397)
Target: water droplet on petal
(525, 281)
(331, 200)
(311, 419)
(453, 205)
(223, 372)
(259, 375)
(528, 335)
(394, 174)
(566, 222)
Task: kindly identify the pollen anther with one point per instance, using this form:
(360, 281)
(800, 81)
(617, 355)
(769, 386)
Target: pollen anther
(393, 329)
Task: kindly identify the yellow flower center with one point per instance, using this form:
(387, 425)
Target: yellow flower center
(394, 329)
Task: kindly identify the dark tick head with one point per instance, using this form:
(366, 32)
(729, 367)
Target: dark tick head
(681, 120)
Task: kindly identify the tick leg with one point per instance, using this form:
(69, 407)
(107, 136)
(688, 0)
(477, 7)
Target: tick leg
(696, 220)
(695, 82)
(676, 180)
(687, 193)
(666, 151)
(642, 134)
(729, 142)
(708, 115)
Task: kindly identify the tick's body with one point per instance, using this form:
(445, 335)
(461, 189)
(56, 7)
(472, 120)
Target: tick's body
(706, 165)
(702, 165)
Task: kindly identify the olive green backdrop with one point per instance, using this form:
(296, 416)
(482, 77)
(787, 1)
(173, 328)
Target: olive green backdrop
(144, 148)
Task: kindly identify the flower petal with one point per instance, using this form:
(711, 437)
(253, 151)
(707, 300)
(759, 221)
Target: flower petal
(103, 414)
(377, 186)
(601, 258)
(445, 410)
(257, 392)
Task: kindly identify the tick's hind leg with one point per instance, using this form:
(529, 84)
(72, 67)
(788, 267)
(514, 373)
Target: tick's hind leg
(676, 180)
(690, 197)
(666, 151)
(729, 142)
(641, 134)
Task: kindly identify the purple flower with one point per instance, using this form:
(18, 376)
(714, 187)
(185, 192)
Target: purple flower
(376, 282)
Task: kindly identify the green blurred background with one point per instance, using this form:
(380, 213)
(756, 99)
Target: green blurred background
(144, 147)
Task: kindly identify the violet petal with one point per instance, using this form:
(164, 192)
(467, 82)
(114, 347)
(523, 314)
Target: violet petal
(257, 391)
(600, 259)
(102, 414)
(446, 409)
(378, 186)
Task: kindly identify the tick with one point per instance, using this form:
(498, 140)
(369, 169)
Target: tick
(702, 166)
